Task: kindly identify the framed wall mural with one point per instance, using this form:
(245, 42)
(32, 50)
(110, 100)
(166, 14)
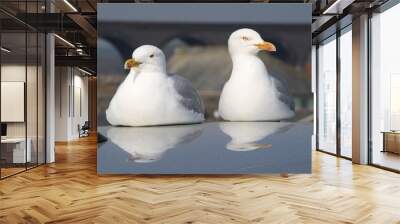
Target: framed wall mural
(204, 88)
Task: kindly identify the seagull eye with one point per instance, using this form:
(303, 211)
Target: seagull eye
(245, 38)
(152, 55)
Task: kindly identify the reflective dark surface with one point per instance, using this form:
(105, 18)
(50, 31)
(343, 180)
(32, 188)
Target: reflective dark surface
(209, 148)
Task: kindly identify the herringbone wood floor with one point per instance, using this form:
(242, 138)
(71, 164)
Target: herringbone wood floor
(70, 191)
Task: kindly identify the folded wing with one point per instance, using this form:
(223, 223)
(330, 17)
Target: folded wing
(191, 99)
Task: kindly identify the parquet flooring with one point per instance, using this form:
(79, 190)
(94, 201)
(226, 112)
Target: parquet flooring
(70, 191)
(10, 171)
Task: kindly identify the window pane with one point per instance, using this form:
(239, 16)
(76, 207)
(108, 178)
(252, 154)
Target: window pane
(327, 96)
(346, 94)
(32, 88)
(385, 86)
(31, 97)
(22, 88)
(14, 153)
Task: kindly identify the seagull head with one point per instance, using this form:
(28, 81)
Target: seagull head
(248, 41)
(147, 58)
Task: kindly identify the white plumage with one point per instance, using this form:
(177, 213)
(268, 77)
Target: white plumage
(251, 93)
(149, 96)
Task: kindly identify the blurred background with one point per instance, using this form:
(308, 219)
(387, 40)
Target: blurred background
(196, 48)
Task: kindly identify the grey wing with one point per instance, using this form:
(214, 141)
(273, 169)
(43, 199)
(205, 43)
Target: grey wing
(283, 92)
(190, 97)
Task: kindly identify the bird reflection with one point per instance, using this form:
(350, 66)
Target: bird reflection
(148, 144)
(245, 135)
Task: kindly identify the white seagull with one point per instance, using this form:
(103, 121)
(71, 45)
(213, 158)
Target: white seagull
(251, 93)
(149, 96)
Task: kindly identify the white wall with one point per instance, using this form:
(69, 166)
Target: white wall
(62, 82)
(16, 73)
(70, 84)
(80, 94)
(12, 73)
(34, 125)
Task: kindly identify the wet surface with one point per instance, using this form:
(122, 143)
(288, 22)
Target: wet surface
(209, 148)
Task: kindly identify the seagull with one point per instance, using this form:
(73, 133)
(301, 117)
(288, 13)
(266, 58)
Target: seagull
(251, 93)
(149, 96)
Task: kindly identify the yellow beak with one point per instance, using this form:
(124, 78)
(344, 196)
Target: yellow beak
(266, 46)
(131, 63)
